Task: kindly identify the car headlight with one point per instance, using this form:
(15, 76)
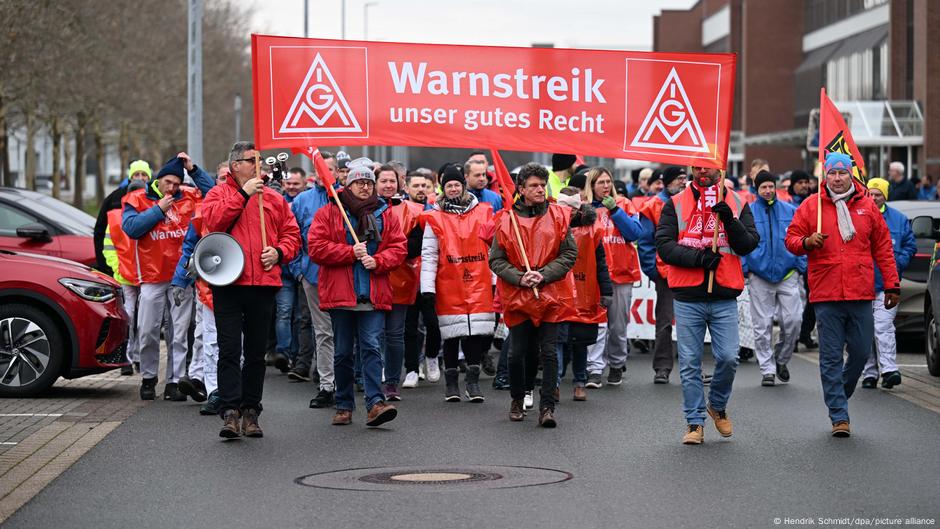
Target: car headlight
(89, 290)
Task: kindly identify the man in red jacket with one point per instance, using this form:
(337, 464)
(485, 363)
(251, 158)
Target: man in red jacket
(841, 264)
(243, 310)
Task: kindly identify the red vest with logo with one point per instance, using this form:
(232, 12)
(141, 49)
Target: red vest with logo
(541, 237)
(404, 279)
(729, 273)
(124, 246)
(587, 299)
(159, 250)
(622, 260)
(464, 281)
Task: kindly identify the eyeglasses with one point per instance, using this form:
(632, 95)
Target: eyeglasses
(251, 160)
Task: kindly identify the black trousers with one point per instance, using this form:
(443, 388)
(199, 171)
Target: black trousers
(472, 350)
(432, 339)
(663, 352)
(242, 316)
(527, 345)
(809, 316)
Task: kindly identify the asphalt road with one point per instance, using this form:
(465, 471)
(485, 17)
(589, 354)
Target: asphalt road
(165, 466)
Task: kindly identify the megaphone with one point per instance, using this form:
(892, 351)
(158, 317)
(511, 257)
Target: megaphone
(218, 259)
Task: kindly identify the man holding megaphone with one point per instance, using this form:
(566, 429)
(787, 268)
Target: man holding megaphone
(261, 221)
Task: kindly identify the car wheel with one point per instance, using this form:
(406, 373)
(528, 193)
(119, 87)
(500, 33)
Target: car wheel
(31, 351)
(933, 342)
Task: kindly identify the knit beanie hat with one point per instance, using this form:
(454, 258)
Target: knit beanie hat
(671, 173)
(837, 160)
(452, 172)
(657, 175)
(764, 176)
(173, 166)
(138, 166)
(361, 169)
(562, 162)
(880, 184)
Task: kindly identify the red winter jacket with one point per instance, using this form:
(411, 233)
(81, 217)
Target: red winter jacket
(329, 248)
(227, 203)
(844, 271)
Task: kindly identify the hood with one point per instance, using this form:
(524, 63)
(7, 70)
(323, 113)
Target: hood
(70, 268)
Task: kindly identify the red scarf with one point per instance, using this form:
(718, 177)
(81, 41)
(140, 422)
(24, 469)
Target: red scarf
(698, 234)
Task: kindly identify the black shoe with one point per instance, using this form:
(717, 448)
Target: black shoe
(662, 376)
(594, 381)
(193, 388)
(281, 362)
(298, 375)
(809, 343)
(462, 366)
(127, 370)
(768, 380)
(451, 389)
(783, 373)
(137, 367)
(615, 376)
(268, 359)
(148, 389)
(488, 367)
(212, 405)
(890, 379)
(870, 383)
(474, 393)
(745, 354)
(172, 392)
(706, 378)
(501, 384)
(324, 399)
(315, 377)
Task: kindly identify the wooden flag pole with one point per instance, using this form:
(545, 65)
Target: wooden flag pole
(525, 258)
(264, 235)
(819, 205)
(342, 211)
(721, 197)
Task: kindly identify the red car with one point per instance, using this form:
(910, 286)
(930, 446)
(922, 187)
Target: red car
(37, 223)
(57, 318)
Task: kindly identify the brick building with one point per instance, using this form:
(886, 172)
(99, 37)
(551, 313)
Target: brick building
(871, 55)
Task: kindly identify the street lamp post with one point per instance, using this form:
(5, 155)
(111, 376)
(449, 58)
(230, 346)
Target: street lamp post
(238, 117)
(365, 36)
(194, 82)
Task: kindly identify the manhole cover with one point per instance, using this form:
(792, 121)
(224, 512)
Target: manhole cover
(434, 479)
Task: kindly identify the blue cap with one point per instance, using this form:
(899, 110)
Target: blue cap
(837, 160)
(173, 166)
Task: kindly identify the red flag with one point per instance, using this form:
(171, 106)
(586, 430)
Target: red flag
(506, 186)
(835, 135)
(579, 160)
(323, 170)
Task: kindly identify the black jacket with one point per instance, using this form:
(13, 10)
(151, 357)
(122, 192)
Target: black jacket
(112, 201)
(742, 236)
(903, 190)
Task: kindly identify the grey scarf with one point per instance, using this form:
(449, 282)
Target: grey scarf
(846, 226)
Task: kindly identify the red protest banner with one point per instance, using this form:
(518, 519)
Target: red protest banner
(835, 135)
(668, 107)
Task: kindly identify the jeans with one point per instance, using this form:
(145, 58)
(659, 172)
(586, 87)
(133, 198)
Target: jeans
(366, 328)
(286, 303)
(304, 325)
(529, 344)
(843, 325)
(393, 343)
(579, 354)
(721, 319)
(240, 316)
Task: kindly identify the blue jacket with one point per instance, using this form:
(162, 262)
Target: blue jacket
(902, 239)
(181, 278)
(646, 242)
(305, 206)
(137, 224)
(771, 260)
(490, 197)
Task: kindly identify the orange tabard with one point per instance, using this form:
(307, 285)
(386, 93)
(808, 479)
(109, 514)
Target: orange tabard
(404, 279)
(202, 288)
(159, 250)
(541, 237)
(587, 299)
(124, 246)
(622, 260)
(653, 209)
(464, 281)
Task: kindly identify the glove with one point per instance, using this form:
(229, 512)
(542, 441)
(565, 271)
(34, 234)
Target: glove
(430, 298)
(723, 210)
(709, 260)
(606, 301)
(177, 293)
(610, 203)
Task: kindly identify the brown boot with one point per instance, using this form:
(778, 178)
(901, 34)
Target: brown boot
(250, 425)
(722, 422)
(342, 417)
(547, 418)
(841, 429)
(231, 428)
(516, 411)
(580, 393)
(381, 413)
(694, 435)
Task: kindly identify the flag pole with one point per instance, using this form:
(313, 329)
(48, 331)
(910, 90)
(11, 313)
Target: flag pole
(721, 197)
(342, 210)
(309, 152)
(819, 193)
(501, 174)
(264, 235)
(525, 258)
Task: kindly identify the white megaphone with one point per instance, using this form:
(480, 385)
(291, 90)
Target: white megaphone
(218, 259)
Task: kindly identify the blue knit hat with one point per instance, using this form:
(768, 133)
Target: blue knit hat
(173, 166)
(837, 160)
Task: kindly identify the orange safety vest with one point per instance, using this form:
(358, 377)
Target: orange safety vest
(622, 260)
(404, 279)
(464, 281)
(653, 209)
(124, 246)
(729, 274)
(587, 300)
(202, 288)
(542, 237)
(159, 250)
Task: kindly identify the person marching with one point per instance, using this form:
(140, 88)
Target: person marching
(156, 218)
(355, 286)
(592, 286)
(842, 257)
(775, 282)
(454, 271)
(905, 246)
(533, 250)
(705, 275)
(674, 180)
(243, 310)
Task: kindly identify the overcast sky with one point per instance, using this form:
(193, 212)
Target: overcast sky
(612, 24)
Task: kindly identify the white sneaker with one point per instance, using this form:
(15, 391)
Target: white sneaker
(421, 375)
(434, 370)
(411, 380)
(529, 401)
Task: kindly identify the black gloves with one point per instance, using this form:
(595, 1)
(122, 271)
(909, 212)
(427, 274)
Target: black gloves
(723, 210)
(429, 298)
(708, 259)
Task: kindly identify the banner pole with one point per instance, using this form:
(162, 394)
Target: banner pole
(721, 197)
(264, 235)
(525, 258)
(342, 211)
(819, 205)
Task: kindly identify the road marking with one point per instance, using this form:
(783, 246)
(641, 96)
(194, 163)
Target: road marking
(8, 443)
(912, 365)
(30, 414)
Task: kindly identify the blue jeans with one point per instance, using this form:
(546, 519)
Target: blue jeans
(849, 325)
(366, 327)
(578, 357)
(393, 343)
(285, 304)
(721, 319)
